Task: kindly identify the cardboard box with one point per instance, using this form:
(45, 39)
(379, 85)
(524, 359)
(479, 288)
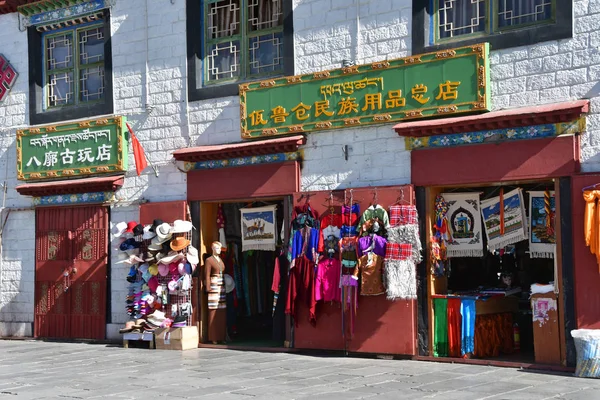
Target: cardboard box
(176, 338)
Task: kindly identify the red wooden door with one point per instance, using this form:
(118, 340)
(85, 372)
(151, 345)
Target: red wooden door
(71, 262)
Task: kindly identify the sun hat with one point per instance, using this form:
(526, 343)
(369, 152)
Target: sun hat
(133, 259)
(119, 229)
(171, 257)
(174, 268)
(148, 234)
(163, 269)
(192, 255)
(181, 268)
(150, 257)
(188, 268)
(129, 244)
(146, 276)
(138, 230)
(153, 269)
(154, 246)
(153, 283)
(129, 325)
(229, 283)
(180, 226)
(143, 268)
(179, 243)
(133, 252)
(130, 226)
(155, 223)
(163, 232)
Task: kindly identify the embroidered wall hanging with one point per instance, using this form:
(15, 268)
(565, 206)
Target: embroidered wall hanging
(259, 228)
(8, 76)
(542, 238)
(510, 220)
(464, 225)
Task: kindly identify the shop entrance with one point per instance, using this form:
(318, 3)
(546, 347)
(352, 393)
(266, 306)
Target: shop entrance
(70, 282)
(491, 247)
(255, 311)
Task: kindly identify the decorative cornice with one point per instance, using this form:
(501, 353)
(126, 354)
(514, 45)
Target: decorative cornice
(72, 186)
(245, 161)
(72, 199)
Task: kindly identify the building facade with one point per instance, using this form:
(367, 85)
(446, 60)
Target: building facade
(172, 68)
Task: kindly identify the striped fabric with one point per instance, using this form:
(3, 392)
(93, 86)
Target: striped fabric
(216, 296)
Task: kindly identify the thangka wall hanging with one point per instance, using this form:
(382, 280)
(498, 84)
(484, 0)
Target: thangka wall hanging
(259, 227)
(542, 238)
(464, 223)
(8, 76)
(504, 219)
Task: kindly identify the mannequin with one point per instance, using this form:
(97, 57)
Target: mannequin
(215, 287)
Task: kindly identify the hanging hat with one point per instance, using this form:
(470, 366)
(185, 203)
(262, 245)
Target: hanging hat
(155, 246)
(192, 255)
(133, 259)
(150, 257)
(146, 276)
(148, 234)
(138, 230)
(153, 283)
(173, 268)
(129, 325)
(163, 269)
(181, 268)
(163, 233)
(180, 226)
(229, 283)
(130, 226)
(153, 269)
(119, 229)
(155, 223)
(132, 252)
(129, 244)
(188, 268)
(171, 257)
(143, 268)
(179, 243)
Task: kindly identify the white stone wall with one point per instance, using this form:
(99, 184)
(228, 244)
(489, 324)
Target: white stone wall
(556, 71)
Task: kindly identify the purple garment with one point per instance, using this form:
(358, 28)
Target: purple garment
(365, 242)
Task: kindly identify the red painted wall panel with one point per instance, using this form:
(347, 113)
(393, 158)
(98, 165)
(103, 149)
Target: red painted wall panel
(587, 276)
(381, 326)
(168, 211)
(253, 181)
(496, 162)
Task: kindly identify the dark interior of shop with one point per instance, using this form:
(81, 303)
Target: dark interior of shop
(510, 270)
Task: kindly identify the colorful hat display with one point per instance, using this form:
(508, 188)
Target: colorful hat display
(155, 246)
(148, 234)
(163, 269)
(155, 223)
(180, 226)
(163, 233)
(133, 259)
(179, 243)
(130, 226)
(129, 244)
(153, 269)
(171, 257)
(138, 230)
(174, 268)
(153, 283)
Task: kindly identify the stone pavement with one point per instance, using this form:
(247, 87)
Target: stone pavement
(49, 370)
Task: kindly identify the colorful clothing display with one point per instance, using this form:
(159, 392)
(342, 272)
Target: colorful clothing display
(372, 243)
(467, 331)
(371, 278)
(454, 327)
(440, 327)
(376, 212)
(327, 285)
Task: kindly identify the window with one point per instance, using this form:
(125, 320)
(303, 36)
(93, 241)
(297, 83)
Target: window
(70, 69)
(441, 24)
(239, 40)
(74, 66)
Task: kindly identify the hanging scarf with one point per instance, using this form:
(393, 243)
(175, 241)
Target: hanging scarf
(592, 222)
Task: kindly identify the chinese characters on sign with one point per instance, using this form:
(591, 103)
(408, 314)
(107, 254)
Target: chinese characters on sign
(8, 76)
(82, 148)
(448, 82)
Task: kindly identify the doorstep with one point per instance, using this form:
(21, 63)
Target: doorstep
(497, 363)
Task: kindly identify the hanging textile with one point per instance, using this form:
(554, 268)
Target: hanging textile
(440, 327)
(464, 225)
(349, 260)
(221, 226)
(591, 223)
(259, 228)
(513, 220)
(403, 252)
(439, 240)
(467, 332)
(542, 238)
(454, 327)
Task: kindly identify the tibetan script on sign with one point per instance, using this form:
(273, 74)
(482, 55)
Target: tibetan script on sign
(428, 85)
(75, 149)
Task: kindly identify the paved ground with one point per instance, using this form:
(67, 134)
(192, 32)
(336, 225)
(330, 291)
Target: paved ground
(38, 370)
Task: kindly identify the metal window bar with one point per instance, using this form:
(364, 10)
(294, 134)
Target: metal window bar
(241, 28)
(81, 67)
(522, 13)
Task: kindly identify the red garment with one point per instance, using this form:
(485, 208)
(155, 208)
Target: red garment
(454, 324)
(327, 285)
(331, 219)
(301, 288)
(276, 277)
(403, 215)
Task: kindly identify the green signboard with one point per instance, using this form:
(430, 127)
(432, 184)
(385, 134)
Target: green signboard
(76, 149)
(447, 82)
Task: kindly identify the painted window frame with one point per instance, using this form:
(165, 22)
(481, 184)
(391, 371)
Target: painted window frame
(77, 65)
(198, 88)
(424, 29)
(39, 113)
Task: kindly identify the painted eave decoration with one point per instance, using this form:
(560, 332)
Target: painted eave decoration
(56, 14)
(443, 83)
(74, 149)
(8, 76)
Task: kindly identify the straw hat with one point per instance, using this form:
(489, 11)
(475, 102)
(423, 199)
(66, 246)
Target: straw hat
(179, 243)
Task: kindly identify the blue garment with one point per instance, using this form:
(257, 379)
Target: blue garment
(467, 332)
(347, 231)
(313, 245)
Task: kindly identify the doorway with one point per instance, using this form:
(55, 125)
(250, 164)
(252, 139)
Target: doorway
(255, 312)
(71, 246)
